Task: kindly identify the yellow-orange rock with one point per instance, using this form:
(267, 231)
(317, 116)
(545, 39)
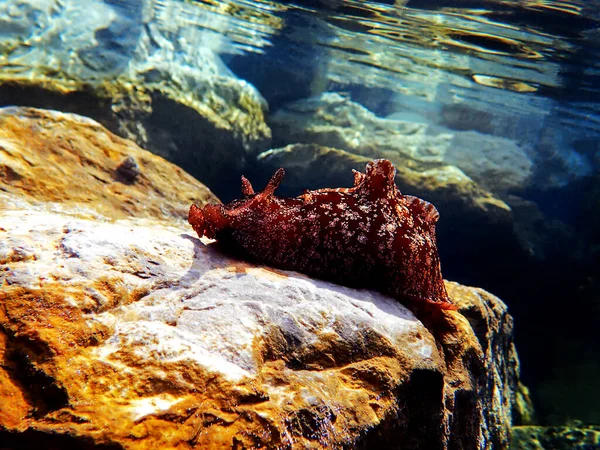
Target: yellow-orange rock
(128, 332)
(78, 166)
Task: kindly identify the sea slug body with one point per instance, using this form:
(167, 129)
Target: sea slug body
(366, 236)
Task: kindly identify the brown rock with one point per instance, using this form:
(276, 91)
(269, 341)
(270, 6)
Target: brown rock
(122, 332)
(154, 339)
(497, 372)
(207, 130)
(76, 164)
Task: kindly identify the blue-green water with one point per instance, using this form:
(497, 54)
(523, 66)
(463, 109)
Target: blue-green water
(507, 93)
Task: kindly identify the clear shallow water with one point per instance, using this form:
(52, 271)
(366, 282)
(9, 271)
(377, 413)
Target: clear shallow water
(524, 70)
(434, 50)
(528, 68)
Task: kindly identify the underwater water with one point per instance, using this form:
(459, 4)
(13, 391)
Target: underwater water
(489, 109)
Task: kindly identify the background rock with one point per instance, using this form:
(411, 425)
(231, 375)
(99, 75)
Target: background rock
(576, 437)
(141, 77)
(494, 163)
(130, 332)
(77, 165)
(332, 120)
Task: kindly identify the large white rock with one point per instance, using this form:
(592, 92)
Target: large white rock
(198, 305)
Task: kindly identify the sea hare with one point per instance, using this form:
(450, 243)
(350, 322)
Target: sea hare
(366, 236)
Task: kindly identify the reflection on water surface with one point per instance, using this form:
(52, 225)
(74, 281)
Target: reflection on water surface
(424, 48)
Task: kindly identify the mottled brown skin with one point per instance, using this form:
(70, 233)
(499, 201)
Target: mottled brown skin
(368, 236)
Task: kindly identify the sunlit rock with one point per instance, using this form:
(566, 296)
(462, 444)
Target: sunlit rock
(73, 164)
(143, 335)
(119, 328)
(334, 120)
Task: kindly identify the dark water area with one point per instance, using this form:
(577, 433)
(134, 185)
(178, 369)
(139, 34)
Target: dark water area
(499, 100)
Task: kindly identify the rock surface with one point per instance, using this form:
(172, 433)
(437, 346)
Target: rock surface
(493, 327)
(575, 437)
(128, 332)
(141, 335)
(76, 164)
(332, 120)
(495, 163)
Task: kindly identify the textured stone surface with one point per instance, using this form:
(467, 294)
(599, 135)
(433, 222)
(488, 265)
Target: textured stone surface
(143, 77)
(576, 437)
(130, 333)
(523, 410)
(493, 327)
(494, 163)
(141, 335)
(334, 120)
(77, 165)
(142, 325)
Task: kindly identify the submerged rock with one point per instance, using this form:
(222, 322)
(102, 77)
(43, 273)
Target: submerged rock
(332, 120)
(575, 437)
(129, 332)
(495, 163)
(140, 76)
(142, 335)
